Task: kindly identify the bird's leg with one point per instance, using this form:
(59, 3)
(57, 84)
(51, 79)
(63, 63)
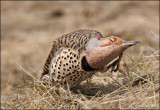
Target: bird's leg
(116, 64)
(63, 90)
(46, 79)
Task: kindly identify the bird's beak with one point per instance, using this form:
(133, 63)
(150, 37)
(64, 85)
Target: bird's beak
(128, 43)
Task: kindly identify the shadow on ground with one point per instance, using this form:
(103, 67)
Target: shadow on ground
(112, 88)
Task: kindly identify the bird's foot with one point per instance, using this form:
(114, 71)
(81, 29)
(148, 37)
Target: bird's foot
(63, 91)
(115, 65)
(46, 79)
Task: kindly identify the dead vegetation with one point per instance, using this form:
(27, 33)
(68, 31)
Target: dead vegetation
(138, 87)
(28, 29)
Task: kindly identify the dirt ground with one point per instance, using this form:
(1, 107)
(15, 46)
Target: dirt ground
(29, 27)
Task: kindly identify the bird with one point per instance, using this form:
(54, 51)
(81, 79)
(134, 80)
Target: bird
(78, 55)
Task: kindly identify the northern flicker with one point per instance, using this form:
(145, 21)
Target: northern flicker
(78, 55)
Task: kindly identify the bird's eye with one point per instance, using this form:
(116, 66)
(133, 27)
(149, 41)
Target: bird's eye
(112, 39)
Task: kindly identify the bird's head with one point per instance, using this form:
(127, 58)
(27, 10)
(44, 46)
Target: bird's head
(108, 49)
(113, 40)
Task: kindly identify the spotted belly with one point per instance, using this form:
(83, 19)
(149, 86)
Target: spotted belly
(66, 67)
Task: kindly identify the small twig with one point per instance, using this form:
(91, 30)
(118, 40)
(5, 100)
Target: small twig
(154, 34)
(27, 72)
(70, 94)
(6, 85)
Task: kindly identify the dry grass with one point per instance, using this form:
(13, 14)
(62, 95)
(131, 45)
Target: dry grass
(104, 91)
(28, 29)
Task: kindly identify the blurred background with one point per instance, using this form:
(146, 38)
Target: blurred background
(29, 27)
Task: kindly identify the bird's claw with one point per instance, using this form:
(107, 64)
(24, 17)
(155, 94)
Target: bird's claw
(115, 65)
(115, 68)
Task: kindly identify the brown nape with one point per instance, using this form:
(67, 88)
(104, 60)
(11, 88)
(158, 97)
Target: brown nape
(99, 57)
